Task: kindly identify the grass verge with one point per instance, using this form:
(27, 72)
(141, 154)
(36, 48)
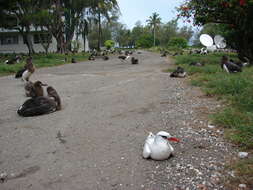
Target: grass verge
(40, 60)
(236, 91)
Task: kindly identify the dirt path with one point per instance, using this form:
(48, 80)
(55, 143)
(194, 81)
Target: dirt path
(96, 141)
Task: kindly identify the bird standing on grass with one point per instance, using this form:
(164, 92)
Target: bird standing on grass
(179, 73)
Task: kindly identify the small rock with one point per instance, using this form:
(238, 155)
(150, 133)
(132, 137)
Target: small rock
(3, 177)
(202, 187)
(243, 154)
(242, 186)
(4, 174)
(211, 126)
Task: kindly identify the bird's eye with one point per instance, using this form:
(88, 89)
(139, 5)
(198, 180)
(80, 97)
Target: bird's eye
(164, 137)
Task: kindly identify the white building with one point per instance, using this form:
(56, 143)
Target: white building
(11, 41)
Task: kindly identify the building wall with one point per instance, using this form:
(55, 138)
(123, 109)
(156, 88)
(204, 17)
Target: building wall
(22, 48)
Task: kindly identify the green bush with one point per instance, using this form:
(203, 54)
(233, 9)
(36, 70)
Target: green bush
(109, 44)
(145, 41)
(178, 42)
(235, 89)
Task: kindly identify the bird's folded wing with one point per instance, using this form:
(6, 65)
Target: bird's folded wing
(146, 151)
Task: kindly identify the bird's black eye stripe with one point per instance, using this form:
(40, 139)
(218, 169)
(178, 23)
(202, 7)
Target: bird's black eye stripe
(164, 137)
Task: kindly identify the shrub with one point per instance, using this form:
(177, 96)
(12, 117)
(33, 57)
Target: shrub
(109, 44)
(145, 41)
(178, 42)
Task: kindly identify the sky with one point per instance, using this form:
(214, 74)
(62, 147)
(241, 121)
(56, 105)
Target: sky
(134, 10)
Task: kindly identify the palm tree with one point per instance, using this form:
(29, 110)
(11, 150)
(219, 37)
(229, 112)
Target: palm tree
(154, 21)
(103, 8)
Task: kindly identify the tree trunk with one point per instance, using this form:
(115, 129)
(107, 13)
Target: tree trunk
(68, 32)
(99, 31)
(58, 29)
(84, 41)
(154, 36)
(60, 44)
(28, 42)
(244, 46)
(27, 39)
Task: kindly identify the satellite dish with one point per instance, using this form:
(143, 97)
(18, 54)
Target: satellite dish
(219, 41)
(206, 40)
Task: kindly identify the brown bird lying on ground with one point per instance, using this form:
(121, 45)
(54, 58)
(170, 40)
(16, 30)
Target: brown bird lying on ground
(73, 60)
(163, 54)
(179, 73)
(198, 64)
(229, 66)
(134, 61)
(91, 58)
(12, 61)
(123, 57)
(39, 103)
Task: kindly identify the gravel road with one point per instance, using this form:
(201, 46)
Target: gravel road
(96, 141)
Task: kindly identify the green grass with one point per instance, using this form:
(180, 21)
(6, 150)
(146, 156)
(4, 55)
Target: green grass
(40, 60)
(235, 89)
(236, 93)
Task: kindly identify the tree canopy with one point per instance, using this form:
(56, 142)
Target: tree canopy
(154, 21)
(235, 16)
(61, 18)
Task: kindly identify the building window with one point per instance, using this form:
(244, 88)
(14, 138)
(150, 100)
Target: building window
(9, 39)
(42, 38)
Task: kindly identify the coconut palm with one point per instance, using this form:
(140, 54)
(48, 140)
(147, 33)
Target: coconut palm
(154, 21)
(103, 8)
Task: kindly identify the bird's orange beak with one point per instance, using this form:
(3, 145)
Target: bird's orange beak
(173, 139)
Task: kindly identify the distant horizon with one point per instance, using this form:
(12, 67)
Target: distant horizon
(142, 10)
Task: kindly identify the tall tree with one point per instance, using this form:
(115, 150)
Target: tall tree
(74, 11)
(154, 21)
(103, 8)
(63, 18)
(168, 31)
(185, 32)
(137, 31)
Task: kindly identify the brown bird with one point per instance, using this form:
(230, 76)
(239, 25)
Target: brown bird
(52, 93)
(134, 61)
(30, 69)
(40, 104)
(35, 89)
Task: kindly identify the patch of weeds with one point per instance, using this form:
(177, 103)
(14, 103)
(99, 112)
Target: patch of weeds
(243, 170)
(237, 116)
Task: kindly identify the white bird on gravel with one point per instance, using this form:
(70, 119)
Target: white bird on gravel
(157, 146)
